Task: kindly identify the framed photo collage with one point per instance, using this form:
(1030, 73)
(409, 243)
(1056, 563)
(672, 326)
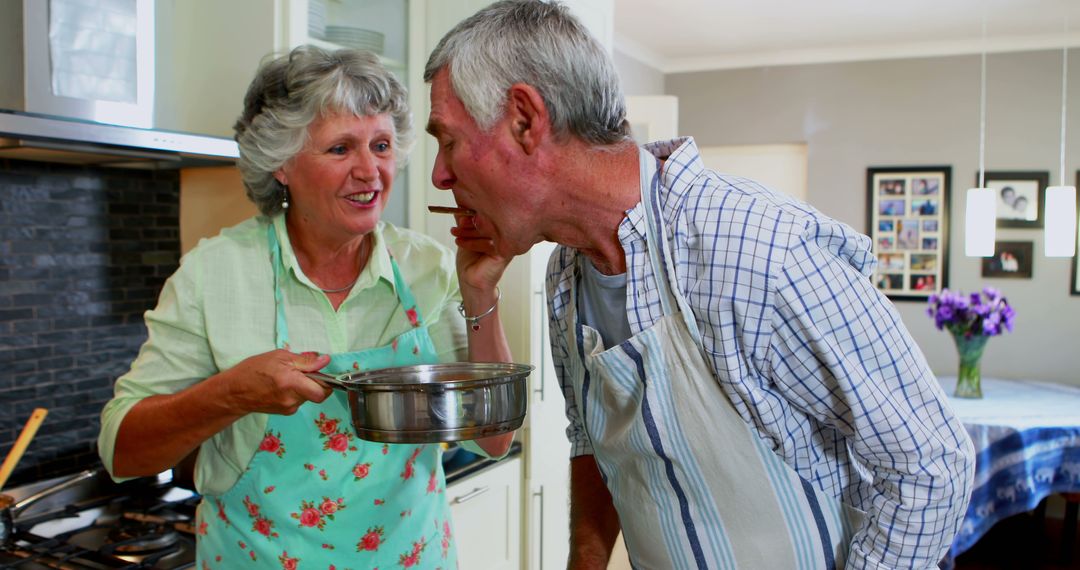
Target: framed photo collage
(908, 213)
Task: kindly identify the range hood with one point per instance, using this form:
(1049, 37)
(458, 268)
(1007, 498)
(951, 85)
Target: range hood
(78, 87)
(30, 136)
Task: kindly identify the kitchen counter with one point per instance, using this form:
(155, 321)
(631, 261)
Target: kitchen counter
(465, 463)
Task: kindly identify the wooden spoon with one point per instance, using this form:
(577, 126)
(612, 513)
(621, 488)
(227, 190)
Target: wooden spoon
(17, 450)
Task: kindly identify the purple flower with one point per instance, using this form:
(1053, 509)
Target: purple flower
(987, 313)
(991, 324)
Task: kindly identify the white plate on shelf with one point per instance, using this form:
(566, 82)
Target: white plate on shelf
(358, 38)
(317, 19)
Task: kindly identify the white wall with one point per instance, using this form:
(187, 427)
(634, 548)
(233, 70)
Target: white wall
(637, 78)
(918, 112)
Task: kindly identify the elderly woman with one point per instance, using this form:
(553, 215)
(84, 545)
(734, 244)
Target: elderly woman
(317, 282)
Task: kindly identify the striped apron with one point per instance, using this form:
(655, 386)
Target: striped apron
(694, 485)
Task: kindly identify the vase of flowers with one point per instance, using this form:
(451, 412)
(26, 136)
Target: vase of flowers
(972, 320)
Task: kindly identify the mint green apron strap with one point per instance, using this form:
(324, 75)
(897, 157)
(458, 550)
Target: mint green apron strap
(281, 328)
(405, 295)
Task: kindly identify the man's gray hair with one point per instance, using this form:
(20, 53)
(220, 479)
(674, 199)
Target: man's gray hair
(289, 92)
(543, 45)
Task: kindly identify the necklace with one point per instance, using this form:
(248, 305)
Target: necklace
(363, 261)
(345, 288)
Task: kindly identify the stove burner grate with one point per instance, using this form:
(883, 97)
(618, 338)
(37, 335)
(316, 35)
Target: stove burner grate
(107, 530)
(141, 539)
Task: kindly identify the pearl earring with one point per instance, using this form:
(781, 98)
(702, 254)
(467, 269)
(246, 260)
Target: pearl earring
(285, 197)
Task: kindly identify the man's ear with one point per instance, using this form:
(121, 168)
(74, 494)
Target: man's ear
(529, 122)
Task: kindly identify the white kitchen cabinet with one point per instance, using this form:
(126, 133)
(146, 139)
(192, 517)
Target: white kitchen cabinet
(386, 17)
(548, 451)
(486, 512)
(208, 51)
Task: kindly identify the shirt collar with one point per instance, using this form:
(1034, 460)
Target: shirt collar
(682, 165)
(378, 266)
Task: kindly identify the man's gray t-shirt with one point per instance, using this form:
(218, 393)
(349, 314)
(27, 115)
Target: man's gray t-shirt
(601, 304)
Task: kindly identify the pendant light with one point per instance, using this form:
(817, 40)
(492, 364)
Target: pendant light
(1060, 213)
(980, 217)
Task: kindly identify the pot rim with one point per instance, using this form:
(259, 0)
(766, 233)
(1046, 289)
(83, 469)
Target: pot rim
(425, 377)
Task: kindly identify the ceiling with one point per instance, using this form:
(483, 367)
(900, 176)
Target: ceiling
(694, 35)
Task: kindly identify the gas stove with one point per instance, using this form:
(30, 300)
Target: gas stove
(88, 522)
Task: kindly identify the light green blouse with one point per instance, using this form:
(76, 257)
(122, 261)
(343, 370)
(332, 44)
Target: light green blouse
(218, 309)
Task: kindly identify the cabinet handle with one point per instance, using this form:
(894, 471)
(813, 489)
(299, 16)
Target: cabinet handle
(540, 494)
(471, 495)
(543, 342)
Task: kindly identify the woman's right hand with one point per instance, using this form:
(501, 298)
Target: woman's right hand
(274, 382)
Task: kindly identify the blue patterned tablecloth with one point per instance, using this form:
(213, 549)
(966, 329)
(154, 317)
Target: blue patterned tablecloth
(1027, 446)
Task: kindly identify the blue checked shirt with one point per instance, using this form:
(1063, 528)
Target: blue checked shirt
(810, 353)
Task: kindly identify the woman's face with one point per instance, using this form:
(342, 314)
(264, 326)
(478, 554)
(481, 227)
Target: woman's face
(341, 179)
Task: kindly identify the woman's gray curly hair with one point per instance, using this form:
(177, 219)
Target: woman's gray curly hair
(289, 92)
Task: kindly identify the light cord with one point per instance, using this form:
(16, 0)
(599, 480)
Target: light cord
(982, 108)
(1064, 83)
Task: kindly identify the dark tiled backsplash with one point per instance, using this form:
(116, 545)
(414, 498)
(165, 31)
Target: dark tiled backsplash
(84, 252)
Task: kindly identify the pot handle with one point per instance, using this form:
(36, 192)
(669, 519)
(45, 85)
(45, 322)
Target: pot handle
(70, 482)
(332, 381)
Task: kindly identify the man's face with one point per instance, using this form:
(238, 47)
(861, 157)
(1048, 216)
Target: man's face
(478, 167)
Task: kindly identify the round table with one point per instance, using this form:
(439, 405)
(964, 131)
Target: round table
(1027, 446)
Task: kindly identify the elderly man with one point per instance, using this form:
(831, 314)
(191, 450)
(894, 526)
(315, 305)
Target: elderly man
(739, 394)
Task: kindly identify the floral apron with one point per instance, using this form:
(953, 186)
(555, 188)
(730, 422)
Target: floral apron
(694, 486)
(315, 496)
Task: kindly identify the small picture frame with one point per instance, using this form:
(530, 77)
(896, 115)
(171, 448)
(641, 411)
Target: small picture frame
(1020, 197)
(908, 220)
(1012, 260)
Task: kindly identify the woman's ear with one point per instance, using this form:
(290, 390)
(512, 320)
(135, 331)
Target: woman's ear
(529, 122)
(279, 174)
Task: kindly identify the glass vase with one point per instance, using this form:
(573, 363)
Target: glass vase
(969, 376)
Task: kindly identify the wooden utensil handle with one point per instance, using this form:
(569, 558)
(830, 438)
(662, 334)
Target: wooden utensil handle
(17, 450)
(450, 210)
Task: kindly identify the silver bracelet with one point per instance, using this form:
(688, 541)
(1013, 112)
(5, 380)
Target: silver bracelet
(474, 322)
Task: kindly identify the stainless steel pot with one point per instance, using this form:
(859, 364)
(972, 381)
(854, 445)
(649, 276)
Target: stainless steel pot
(10, 509)
(435, 402)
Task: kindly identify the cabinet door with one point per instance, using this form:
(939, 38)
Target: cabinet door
(548, 477)
(486, 511)
(206, 56)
